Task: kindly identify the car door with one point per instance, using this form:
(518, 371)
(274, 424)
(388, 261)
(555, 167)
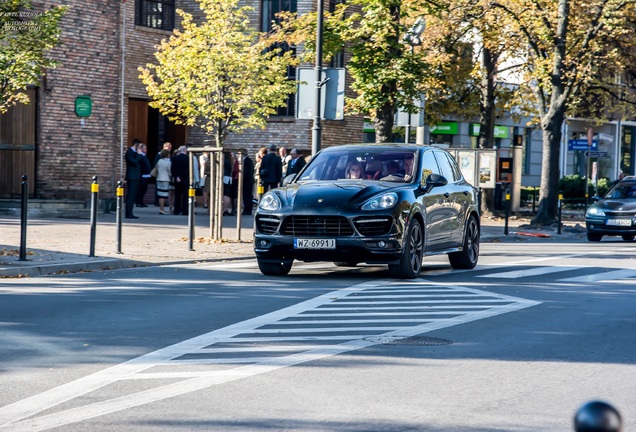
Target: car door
(432, 201)
(452, 199)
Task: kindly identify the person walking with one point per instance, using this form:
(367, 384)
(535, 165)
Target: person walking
(133, 176)
(180, 172)
(144, 164)
(271, 170)
(164, 166)
(248, 185)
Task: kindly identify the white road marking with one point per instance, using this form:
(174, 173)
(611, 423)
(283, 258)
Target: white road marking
(531, 272)
(602, 276)
(226, 346)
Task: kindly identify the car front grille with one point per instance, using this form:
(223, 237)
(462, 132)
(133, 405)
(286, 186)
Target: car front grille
(316, 226)
(266, 224)
(373, 226)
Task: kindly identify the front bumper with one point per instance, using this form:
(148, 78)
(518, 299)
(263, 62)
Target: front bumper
(599, 226)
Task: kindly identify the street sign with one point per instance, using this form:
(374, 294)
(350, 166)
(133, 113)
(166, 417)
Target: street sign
(416, 119)
(581, 144)
(331, 93)
(596, 154)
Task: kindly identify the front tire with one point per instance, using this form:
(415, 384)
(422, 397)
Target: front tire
(468, 256)
(345, 263)
(594, 237)
(269, 268)
(628, 237)
(411, 261)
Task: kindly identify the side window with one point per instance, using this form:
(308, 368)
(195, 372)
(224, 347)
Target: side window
(445, 167)
(456, 171)
(429, 165)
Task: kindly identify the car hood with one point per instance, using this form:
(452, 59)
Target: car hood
(620, 205)
(333, 194)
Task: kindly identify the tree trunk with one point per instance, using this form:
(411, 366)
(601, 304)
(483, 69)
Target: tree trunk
(487, 118)
(549, 193)
(384, 123)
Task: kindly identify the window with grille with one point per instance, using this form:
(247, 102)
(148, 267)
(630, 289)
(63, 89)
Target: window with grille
(157, 14)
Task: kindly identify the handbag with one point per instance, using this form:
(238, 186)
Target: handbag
(154, 172)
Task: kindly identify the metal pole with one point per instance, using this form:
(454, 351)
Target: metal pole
(211, 193)
(23, 218)
(94, 193)
(316, 130)
(560, 212)
(219, 214)
(123, 81)
(507, 212)
(118, 216)
(191, 198)
(239, 197)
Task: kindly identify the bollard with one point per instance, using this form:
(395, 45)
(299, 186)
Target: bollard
(23, 218)
(507, 213)
(191, 197)
(479, 198)
(118, 216)
(560, 212)
(94, 193)
(597, 416)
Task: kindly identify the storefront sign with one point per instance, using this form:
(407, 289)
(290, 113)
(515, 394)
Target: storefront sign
(445, 128)
(83, 106)
(500, 131)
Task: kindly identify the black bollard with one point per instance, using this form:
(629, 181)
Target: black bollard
(191, 197)
(94, 193)
(560, 212)
(598, 416)
(118, 216)
(23, 218)
(507, 213)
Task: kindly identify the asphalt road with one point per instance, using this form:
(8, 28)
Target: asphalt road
(518, 344)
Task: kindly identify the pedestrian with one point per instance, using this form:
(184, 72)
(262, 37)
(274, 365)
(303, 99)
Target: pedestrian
(163, 179)
(144, 164)
(296, 163)
(234, 186)
(228, 165)
(248, 185)
(180, 172)
(204, 164)
(284, 158)
(133, 177)
(271, 170)
(168, 146)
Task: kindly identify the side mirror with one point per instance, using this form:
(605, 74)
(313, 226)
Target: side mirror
(435, 180)
(287, 180)
(596, 198)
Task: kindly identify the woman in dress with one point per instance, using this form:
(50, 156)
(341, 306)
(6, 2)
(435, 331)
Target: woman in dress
(163, 178)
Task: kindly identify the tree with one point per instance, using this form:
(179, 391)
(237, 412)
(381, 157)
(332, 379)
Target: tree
(25, 38)
(220, 75)
(572, 43)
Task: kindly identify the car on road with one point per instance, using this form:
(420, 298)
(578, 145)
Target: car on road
(615, 214)
(370, 203)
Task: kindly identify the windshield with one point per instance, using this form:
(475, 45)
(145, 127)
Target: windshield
(362, 164)
(622, 191)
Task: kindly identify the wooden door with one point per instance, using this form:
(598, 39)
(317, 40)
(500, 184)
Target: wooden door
(137, 120)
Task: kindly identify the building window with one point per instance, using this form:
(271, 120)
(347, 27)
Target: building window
(269, 9)
(337, 61)
(157, 14)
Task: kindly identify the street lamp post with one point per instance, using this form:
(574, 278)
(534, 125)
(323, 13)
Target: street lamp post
(316, 129)
(412, 37)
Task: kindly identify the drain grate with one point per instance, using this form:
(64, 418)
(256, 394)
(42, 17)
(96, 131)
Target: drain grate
(413, 340)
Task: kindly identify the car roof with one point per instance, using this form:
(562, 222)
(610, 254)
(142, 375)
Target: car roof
(379, 146)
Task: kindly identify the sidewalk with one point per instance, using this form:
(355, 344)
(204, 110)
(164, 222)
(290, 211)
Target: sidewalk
(63, 245)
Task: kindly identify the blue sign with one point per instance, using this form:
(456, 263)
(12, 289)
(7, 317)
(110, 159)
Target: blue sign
(581, 144)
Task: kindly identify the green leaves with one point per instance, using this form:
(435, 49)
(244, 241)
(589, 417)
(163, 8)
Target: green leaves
(25, 38)
(220, 75)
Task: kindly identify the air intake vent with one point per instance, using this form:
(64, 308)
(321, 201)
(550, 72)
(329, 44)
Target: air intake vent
(316, 226)
(375, 226)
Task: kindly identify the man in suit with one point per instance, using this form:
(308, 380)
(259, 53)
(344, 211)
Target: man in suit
(180, 170)
(248, 185)
(144, 163)
(296, 163)
(133, 176)
(271, 169)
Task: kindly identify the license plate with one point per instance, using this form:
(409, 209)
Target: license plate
(314, 243)
(619, 222)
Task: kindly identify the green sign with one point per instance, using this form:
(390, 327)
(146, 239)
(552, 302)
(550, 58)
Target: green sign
(83, 106)
(445, 128)
(500, 131)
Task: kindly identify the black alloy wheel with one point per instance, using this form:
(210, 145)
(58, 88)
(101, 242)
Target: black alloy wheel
(468, 256)
(593, 237)
(411, 262)
(628, 237)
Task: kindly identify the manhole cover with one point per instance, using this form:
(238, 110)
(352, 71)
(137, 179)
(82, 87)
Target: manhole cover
(413, 340)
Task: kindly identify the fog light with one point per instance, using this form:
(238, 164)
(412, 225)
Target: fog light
(381, 244)
(263, 243)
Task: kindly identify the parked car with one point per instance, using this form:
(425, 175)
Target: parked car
(615, 214)
(374, 203)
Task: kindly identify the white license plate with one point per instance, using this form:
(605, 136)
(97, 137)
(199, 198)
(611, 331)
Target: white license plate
(619, 222)
(314, 243)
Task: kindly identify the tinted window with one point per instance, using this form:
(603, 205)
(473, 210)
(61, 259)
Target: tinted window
(429, 165)
(446, 169)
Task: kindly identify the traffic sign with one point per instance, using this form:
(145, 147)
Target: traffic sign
(581, 144)
(596, 154)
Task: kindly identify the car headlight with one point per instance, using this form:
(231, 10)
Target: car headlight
(381, 202)
(270, 202)
(595, 211)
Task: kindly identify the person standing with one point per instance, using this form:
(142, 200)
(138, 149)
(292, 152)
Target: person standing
(180, 173)
(168, 146)
(133, 176)
(204, 165)
(163, 179)
(296, 163)
(271, 170)
(248, 185)
(144, 164)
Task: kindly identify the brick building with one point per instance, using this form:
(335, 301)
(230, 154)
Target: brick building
(61, 151)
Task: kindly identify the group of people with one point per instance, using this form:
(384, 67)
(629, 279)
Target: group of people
(374, 169)
(172, 169)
